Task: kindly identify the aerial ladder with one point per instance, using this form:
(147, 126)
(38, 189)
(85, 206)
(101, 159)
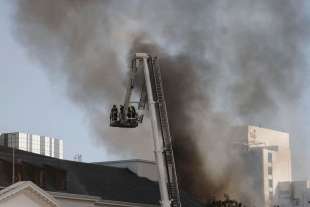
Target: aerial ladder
(151, 98)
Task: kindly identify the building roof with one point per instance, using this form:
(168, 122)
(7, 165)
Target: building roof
(97, 200)
(126, 161)
(18, 187)
(22, 132)
(109, 183)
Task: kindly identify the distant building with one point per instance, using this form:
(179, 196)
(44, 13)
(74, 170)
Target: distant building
(43, 145)
(296, 193)
(269, 161)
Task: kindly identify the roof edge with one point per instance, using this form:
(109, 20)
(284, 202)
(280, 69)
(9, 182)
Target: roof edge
(24, 185)
(129, 160)
(98, 200)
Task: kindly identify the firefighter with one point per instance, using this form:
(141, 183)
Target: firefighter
(122, 113)
(134, 113)
(114, 114)
(129, 114)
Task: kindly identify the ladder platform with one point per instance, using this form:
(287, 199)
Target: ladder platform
(128, 124)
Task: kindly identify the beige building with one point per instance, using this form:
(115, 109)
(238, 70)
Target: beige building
(273, 158)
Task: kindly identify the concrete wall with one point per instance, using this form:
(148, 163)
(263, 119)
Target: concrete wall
(296, 193)
(276, 151)
(74, 203)
(255, 177)
(84, 201)
(283, 194)
(27, 194)
(281, 162)
(301, 193)
(24, 199)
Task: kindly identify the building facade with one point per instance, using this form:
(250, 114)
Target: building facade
(43, 145)
(271, 150)
(293, 194)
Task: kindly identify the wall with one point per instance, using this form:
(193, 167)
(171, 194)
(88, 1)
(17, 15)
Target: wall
(70, 200)
(296, 193)
(24, 199)
(301, 193)
(283, 194)
(276, 157)
(74, 203)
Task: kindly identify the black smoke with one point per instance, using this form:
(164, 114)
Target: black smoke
(224, 63)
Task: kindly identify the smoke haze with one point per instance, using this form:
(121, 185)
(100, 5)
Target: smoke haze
(224, 64)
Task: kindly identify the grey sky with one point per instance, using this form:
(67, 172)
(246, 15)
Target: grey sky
(30, 102)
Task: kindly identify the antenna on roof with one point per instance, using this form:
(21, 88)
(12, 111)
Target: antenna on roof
(77, 157)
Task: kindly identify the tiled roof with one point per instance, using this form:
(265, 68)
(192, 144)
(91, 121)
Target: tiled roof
(109, 183)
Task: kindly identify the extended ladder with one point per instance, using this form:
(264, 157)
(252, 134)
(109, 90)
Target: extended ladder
(172, 182)
(152, 93)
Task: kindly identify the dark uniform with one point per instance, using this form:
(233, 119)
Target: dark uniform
(122, 113)
(133, 111)
(114, 114)
(129, 114)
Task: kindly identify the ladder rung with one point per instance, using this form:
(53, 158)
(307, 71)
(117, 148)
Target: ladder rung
(164, 124)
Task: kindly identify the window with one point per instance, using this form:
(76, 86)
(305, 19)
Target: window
(47, 146)
(284, 194)
(269, 157)
(52, 147)
(270, 195)
(61, 149)
(13, 140)
(270, 183)
(22, 141)
(35, 144)
(269, 170)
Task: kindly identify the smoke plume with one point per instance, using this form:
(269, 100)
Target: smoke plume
(224, 64)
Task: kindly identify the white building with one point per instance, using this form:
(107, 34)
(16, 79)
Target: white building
(293, 194)
(43, 145)
(271, 150)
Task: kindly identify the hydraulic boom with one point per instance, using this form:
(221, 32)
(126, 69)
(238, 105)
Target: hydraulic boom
(127, 117)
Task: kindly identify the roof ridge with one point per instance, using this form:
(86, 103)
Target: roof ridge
(127, 160)
(23, 185)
